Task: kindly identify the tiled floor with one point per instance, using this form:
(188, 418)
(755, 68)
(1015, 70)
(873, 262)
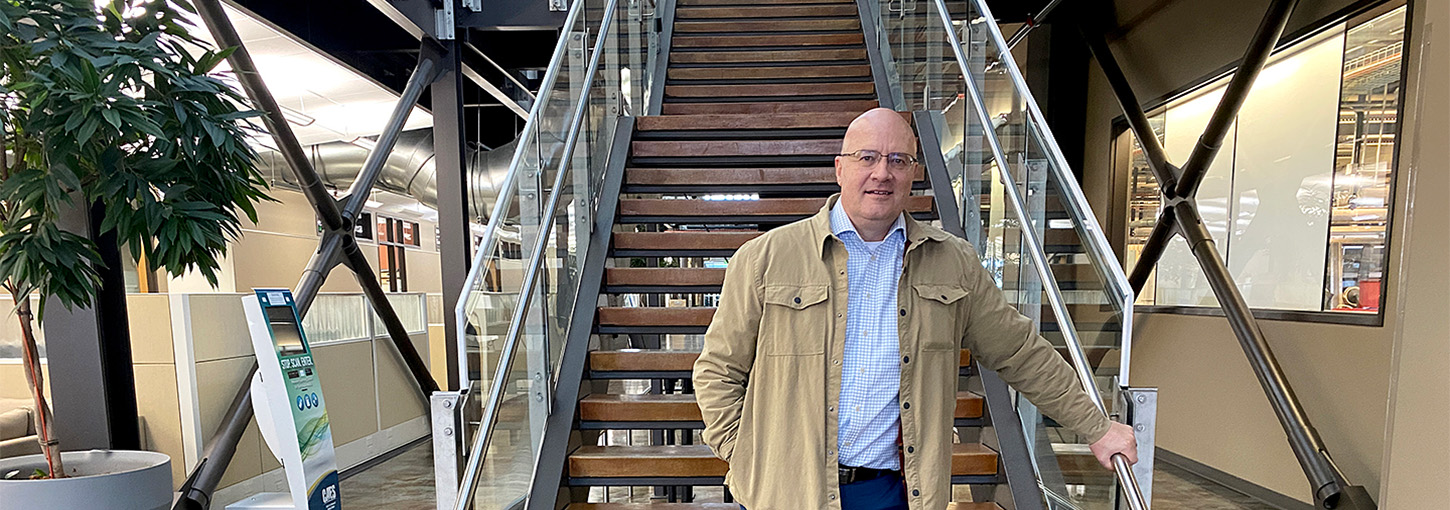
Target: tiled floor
(405, 482)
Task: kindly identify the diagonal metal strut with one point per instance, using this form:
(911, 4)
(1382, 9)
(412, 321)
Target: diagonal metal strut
(337, 245)
(1180, 215)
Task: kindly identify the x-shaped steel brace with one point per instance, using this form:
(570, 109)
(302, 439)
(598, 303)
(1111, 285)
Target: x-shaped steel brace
(337, 245)
(1180, 215)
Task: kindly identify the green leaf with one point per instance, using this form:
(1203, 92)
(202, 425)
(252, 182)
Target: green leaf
(88, 128)
(113, 118)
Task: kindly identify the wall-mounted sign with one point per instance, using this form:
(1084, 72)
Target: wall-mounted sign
(361, 230)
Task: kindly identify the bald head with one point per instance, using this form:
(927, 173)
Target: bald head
(878, 126)
(874, 193)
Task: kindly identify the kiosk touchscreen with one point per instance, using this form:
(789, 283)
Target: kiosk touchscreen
(287, 397)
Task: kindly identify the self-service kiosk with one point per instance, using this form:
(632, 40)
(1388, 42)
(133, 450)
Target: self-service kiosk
(290, 410)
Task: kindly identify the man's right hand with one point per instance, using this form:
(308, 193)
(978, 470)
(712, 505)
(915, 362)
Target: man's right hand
(1119, 439)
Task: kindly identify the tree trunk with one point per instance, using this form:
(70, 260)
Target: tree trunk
(33, 375)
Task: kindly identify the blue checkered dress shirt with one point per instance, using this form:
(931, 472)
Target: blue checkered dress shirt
(870, 373)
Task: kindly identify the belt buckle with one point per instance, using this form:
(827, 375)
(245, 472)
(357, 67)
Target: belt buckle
(847, 474)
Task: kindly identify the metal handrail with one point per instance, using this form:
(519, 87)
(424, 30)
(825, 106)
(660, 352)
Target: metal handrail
(495, 397)
(506, 191)
(1097, 242)
(1039, 256)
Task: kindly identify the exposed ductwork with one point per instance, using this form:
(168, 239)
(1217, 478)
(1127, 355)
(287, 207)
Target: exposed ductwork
(408, 171)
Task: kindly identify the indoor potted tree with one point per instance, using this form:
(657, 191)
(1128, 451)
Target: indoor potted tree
(112, 105)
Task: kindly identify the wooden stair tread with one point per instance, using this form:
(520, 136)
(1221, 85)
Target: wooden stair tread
(847, 105)
(682, 407)
(642, 360)
(729, 176)
(973, 459)
(646, 407)
(646, 461)
(669, 276)
(762, 207)
(969, 405)
(802, 55)
(645, 360)
(703, 148)
(684, 3)
(675, 240)
(738, 121)
(655, 316)
(683, 27)
(769, 89)
(661, 506)
(763, 11)
(683, 41)
(769, 71)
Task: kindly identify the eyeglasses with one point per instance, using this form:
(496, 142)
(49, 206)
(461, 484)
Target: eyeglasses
(894, 160)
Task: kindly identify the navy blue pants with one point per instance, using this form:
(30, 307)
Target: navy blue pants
(883, 493)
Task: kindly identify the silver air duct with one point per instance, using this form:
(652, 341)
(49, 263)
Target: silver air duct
(408, 171)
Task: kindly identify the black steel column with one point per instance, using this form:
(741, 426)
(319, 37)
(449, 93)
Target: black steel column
(92, 384)
(450, 161)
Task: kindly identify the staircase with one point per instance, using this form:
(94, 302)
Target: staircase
(758, 94)
(753, 103)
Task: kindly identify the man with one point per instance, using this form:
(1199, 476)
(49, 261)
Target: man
(829, 373)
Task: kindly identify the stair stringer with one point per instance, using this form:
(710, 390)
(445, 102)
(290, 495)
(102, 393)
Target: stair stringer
(1003, 430)
(560, 437)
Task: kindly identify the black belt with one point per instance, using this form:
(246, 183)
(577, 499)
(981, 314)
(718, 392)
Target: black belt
(851, 475)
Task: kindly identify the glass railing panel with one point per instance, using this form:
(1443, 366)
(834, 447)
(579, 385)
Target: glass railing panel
(1093, 304)
(507, 464)
(534, 253)
(956, 67)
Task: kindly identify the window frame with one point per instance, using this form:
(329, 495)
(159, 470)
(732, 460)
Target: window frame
(1120, 164)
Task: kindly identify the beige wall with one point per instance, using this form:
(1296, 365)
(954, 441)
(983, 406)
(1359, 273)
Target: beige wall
(273, 251)
(1212, 409)
(1417, 458)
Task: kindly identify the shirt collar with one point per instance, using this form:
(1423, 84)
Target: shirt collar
(916, 231)
(841, 223)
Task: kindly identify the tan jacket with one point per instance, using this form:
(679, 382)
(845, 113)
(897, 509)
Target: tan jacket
(769, 377)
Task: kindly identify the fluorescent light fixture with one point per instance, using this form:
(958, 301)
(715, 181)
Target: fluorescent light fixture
(373, 204)
(296, 117)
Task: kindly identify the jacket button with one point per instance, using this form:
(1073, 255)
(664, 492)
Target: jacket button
(915, 492)
(906, 405)
(798, 300)
(903, 312)
(910, 449)
(906, 359)
(943, 297)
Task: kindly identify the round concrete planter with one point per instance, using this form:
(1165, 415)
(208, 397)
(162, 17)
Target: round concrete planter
(114, 480)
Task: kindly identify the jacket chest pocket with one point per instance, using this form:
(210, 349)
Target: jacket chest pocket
(795, 320)
(940, 310)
